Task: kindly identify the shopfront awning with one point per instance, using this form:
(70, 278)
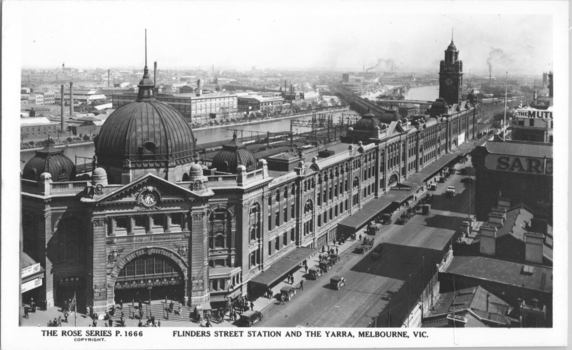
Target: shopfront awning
(283, 266)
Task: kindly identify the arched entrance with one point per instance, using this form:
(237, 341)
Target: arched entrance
(393, 179)
(69, 287)
(150, 277)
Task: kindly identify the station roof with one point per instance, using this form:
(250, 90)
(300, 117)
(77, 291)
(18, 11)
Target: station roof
(282, 266)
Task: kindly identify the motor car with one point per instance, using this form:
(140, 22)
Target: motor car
(288, 292)
(450, 191)
(337, 282)
(248, 318)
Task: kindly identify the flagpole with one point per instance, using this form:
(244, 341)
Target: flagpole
(75, 310)
(505, 98)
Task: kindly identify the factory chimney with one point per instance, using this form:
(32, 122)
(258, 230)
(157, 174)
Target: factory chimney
(62, 107)
(71, 99)
(155, 73)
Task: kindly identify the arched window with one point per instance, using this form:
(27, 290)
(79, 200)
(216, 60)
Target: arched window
(293, 190)
(269, 200)
(308, 206)
(254, 221)
(277, 196)
(356, 182)
(219, 228)
(286, 192)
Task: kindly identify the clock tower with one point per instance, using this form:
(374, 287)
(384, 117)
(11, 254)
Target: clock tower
(451, 76)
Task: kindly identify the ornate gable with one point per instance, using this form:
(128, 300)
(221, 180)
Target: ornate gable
(149, 191)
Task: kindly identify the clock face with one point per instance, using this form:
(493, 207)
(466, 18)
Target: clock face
(448, 81)
(149, 198)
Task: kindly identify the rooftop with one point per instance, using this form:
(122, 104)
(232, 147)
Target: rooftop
(520, 149)
(503, 272)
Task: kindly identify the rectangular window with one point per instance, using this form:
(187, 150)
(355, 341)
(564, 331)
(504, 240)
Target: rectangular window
(319, 220)
(158, 266)
(277, 219)
(269, 222)
(139, 267)
(269, 248)
(331, 212)
(292, 235)
(285, 214)
(336, 211)
(292, 211)
(325, 217)
(285, 239)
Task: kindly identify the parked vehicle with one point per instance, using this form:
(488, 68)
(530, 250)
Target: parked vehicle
(314, 273)
(248, 318)
(288, 292)
(325, 265)
(385, 219)
(337, 282)
(372, 228)
(450, 191)
(432, 187)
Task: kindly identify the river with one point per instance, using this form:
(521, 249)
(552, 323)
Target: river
(202, 135)
(428, 93)
(424, 93)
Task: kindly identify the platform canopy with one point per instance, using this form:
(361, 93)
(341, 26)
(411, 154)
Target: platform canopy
(283, 266)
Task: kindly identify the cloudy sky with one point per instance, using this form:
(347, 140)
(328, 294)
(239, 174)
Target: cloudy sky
(334, 35)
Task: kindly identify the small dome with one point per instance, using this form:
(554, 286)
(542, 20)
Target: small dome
(196, 170)
(452, 46)
(472, 97)
(99, 172)
(49, 160)
(368, 122)
(232, 155)
(440, 106)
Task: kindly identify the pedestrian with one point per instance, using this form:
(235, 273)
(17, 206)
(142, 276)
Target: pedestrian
(360, 236)
(302, 284)
(66, 305)
(140, 305)
(251, 306)
(337, 250)
(209, 323)
(121, 304)
(94, 323)
(282, 298)
(140, 324)
(158, 323)
(59, 321)
(306, 267)
(32, 305)
(66, 316)
(26, 312)
(110, 322)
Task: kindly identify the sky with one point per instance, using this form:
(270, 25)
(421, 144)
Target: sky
(333, 35)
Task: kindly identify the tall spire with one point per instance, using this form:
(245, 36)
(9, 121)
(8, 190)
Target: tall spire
(146, 84)
(452, 30)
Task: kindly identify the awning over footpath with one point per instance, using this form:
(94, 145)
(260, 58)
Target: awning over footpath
(281, 267)
(369, 211)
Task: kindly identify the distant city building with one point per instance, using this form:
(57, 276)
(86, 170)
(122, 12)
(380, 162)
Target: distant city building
(534, 125)
(49, 97)
(252, 103)
(191, 106)
(37, 99)
(37, 128)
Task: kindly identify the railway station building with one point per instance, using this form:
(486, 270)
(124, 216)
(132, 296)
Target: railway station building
(151, 223)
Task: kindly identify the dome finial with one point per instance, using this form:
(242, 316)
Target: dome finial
(146, 84)
(452, 31)
(145, 47)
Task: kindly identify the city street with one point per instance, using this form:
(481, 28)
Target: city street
(378, 288)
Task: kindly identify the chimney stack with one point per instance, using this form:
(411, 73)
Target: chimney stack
(155, 73)
(71, 99)
(62, 107)
(199, 87)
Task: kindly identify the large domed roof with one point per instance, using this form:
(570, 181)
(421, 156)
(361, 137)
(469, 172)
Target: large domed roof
(145, 133)
(232, 155)
(49, 160)
(367, 122)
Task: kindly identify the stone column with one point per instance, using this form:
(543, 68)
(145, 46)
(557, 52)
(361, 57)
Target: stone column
(149, 228)
(167, 225)
(45, 233)
(96, 284)
(198, 259)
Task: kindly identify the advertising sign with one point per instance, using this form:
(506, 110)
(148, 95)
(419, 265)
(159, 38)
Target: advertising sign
(525, 165)
(35, 283)
(533, 113)
(30, 270)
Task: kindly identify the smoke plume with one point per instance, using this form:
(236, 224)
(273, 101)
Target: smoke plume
(388, 63)
(498, 55)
